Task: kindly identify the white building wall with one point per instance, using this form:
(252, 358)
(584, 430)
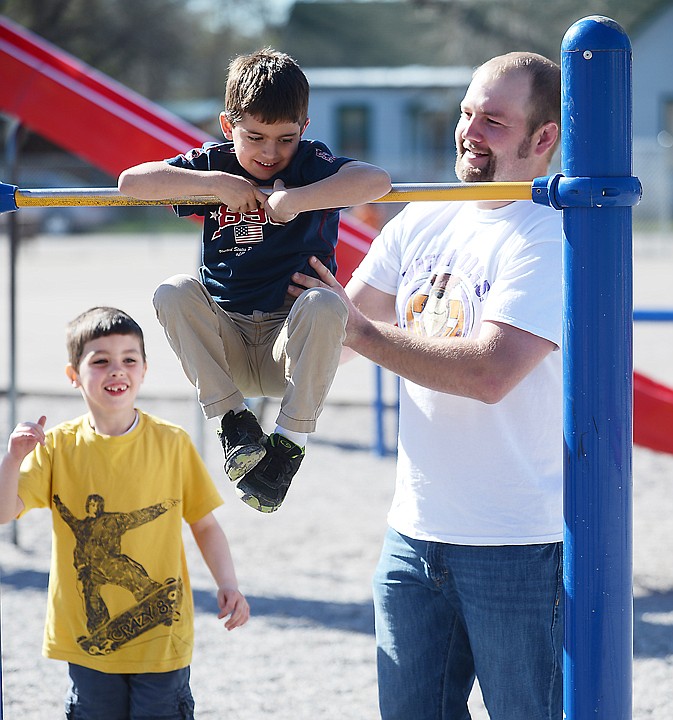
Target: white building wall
(652, 73)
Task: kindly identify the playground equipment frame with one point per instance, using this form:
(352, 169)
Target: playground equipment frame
(595, 193)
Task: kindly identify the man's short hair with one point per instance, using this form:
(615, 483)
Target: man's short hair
(99, 322)
(269, 85)
(545, 84)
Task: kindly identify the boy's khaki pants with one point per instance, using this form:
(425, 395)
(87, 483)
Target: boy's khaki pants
(292, 353)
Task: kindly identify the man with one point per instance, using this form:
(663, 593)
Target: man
(469, 582)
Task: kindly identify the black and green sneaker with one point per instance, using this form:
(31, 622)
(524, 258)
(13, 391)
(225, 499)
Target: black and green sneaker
(242, 439)
(264, 486)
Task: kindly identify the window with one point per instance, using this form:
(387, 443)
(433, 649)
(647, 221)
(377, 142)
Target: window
(665, 134)
(353, 130)
(431, 142)
(667, 124)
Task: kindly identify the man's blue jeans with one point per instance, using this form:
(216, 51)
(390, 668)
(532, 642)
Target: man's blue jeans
(95, 695)
(447, 613)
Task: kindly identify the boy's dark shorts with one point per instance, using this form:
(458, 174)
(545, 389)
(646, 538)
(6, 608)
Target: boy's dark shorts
(94, 695)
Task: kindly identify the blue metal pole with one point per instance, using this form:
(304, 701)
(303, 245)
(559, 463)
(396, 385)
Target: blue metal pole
(598, 347)
(379, 408)
(653, 315)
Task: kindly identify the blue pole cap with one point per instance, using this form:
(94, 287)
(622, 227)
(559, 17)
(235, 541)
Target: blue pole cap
(597, 33)
(8, 198)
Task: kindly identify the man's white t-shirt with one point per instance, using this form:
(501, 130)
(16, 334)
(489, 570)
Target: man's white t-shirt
(468, 472)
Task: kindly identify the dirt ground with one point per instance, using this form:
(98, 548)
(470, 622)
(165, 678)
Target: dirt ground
(308, 651)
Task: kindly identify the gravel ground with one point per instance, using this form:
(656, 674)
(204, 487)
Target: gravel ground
(308, 650)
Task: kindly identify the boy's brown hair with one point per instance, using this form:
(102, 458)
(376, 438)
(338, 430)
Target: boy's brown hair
(269, 85)
(99, 322)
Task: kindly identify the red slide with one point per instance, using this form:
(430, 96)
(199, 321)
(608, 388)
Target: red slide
(96, 118)
(82, 110)
(652, 414)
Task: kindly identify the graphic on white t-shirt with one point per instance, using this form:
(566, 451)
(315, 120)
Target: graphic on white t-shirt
(441, 304)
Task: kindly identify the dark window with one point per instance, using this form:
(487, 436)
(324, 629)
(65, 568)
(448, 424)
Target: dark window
(353, 130)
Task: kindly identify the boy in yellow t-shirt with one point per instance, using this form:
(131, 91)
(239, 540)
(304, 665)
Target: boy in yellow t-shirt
(119, 482)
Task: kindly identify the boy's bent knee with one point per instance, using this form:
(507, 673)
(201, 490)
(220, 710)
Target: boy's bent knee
(172, 290)
(322, 301)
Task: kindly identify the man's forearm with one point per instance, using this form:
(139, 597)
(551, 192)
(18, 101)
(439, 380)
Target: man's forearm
(447, 365)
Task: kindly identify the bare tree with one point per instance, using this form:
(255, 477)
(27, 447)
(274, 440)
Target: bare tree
(163, 49)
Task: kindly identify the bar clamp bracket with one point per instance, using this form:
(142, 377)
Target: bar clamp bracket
(561, 192)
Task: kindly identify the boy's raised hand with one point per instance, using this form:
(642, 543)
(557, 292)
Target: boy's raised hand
(25, 437)
(238, 193)
(22, 441)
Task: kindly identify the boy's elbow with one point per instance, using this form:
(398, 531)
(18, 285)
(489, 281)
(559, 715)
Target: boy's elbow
(382, 182)
(135, 182)
(125, 183)
(375, 179)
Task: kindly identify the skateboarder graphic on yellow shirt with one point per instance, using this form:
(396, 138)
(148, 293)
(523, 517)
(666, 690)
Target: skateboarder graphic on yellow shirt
(98, 557)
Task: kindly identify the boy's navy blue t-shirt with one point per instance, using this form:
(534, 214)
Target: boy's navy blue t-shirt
(247, 260)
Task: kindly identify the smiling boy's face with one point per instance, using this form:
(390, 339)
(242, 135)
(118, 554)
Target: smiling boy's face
(263, 149)
(110, 374)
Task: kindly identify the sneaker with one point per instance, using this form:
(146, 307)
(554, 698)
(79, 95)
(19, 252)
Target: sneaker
(241, 437)
(265, 486)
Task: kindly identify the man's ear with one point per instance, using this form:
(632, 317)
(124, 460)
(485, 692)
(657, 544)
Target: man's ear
(72, 375)
(305, 126)
(227, 127)
(546, 138)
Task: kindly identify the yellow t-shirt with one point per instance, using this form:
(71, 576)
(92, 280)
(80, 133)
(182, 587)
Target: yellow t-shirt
(119, 600)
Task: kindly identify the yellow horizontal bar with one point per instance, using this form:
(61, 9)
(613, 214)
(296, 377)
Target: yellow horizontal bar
(460, 191)
(63, 197)
(66, 197)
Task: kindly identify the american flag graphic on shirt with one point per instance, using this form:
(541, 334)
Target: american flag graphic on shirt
(248, 233)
